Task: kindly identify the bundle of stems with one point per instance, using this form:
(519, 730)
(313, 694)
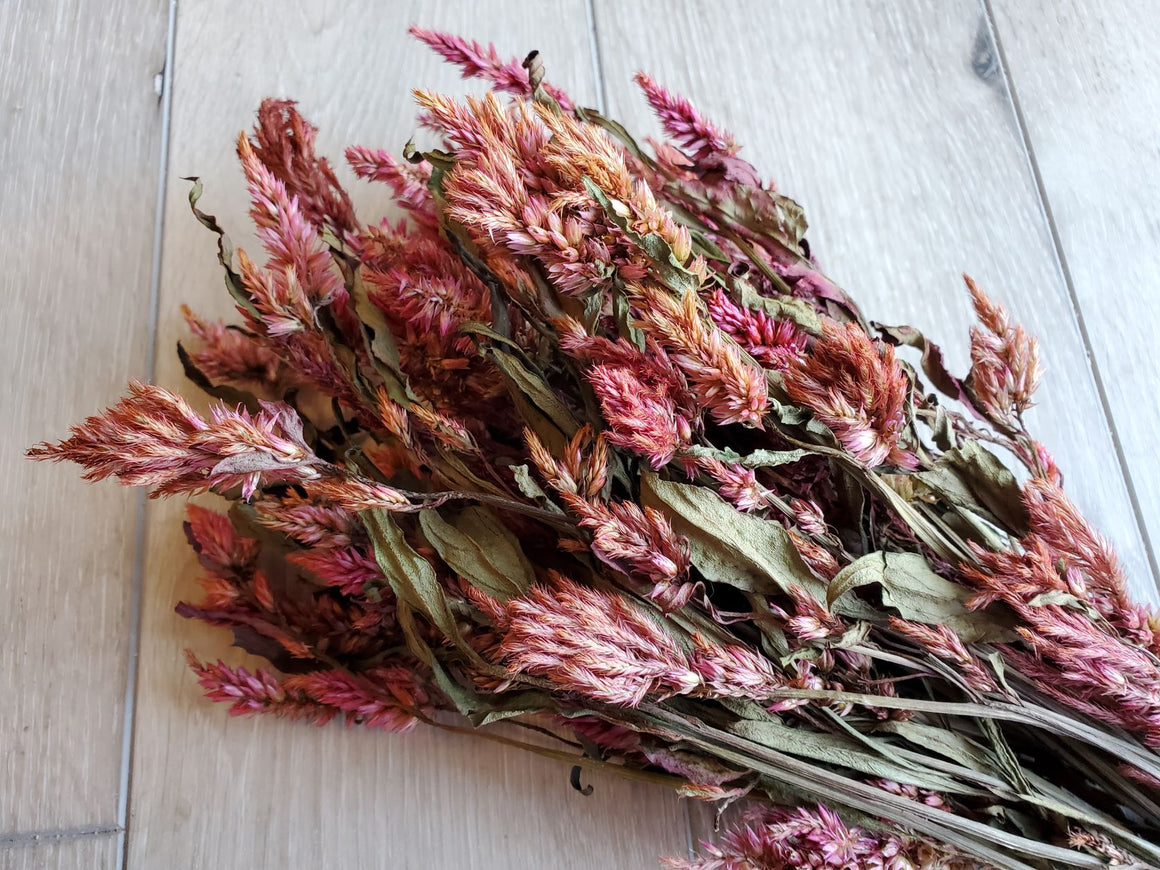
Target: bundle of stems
(587, 443)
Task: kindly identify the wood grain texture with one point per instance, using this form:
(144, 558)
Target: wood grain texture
(79, 138)
(92, 852)
(1087, 79)
(891, 124)
(211, 791)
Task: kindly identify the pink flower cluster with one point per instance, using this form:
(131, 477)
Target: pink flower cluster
(1005, 368)
(858, 390)
(153, 438)
(780, 839)
(645, 398)
(1087, 644)
(385, 698)
(628, 538)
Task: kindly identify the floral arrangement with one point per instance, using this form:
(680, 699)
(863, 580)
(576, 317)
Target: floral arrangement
(587, 443)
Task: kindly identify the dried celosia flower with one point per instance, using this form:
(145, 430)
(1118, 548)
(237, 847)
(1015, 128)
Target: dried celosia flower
(359, 494)
(683, 123)
(1071, 658)
(1095, 843)
(815, 838)
(1046, 467)
(644, 396)
(1005, 368)
(811, 620)
(637, 541)
(736, 672)
(1069, 535)
(295, 248)
(858, 390)
(820, 560)
(736, 483)
(387, 697)
(425, 289)
(809, 517)
(593, 643)
(910, 792)
(731, 390)
(641, 419)
(231, 354)
(284, 143)
(942, 642)
(521, 189)
(260, 692)
(220, 549)
(407, 181)
(349, 569)
(307, 523)
(627, 312)
(475, 61)
(609, 737)
(770, 341)
(713, 150)
(153, 438)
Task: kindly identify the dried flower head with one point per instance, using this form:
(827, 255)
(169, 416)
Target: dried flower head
(770, 341)
(1005, 369)
(732, 390)
(153, 438)
(510, 76)
(815, 838)
(854, 385)
(593, 643)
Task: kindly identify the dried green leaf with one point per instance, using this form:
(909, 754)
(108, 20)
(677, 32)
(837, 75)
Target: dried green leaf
(942, 741)
(842, 751)
(411, 577)
(974, 478)
(478, 547)
(225, 249)
(531, 384)
(232, 396)
(910, 586)
(380, 341)
(756, 459)
(727, 546)
(932, 359)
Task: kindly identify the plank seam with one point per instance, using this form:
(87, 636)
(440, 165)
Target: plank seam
(594, 52)
(1065, 271)
(138, 578)
(34, 838)
(687, 815)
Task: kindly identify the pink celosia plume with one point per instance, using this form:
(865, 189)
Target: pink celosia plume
(153, 438)
(855, 386)
(477, 61)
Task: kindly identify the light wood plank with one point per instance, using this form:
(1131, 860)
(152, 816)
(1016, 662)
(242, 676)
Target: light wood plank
(887, 122)
(1087, 78)
(210, 791)
(79, 138)
(91, 852)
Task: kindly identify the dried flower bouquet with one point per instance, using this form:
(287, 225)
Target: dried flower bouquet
(588, 443)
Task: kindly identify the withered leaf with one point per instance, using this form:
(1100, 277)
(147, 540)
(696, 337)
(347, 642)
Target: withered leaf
(727, 546)
(411, 577)
(974, 478)
(910, 586)
(478, 547)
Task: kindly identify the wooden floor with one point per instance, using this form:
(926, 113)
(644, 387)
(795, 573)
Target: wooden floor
(1013, 139)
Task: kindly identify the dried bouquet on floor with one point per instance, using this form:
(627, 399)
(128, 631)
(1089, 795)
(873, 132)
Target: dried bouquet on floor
(588, 443)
